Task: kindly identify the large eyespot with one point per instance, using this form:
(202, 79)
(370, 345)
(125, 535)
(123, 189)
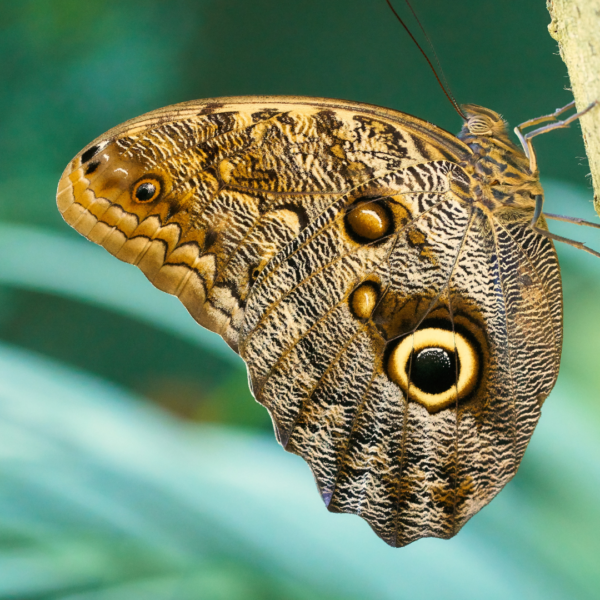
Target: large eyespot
(433, 365)
(369, 220)
(146, 190)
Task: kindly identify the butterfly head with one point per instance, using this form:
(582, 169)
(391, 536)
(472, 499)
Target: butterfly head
(502, 167)
(483, 122)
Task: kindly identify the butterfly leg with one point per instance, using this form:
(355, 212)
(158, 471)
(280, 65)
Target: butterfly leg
(539, 204)
(526, 138)
(551, 117)
(573, 220)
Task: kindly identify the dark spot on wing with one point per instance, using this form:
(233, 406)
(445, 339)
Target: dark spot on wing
(210, 108)
(92, 167)
(89, 153)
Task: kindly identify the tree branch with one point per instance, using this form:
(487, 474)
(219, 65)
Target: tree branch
(576, 27)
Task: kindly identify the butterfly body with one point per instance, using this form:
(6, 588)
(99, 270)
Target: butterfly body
(400, 319)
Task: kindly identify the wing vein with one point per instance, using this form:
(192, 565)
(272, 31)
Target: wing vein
(405, 419)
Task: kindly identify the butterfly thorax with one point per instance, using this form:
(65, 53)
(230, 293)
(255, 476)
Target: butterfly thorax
(499, 167)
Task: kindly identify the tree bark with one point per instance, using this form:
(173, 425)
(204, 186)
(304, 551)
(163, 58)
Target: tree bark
(576, 27)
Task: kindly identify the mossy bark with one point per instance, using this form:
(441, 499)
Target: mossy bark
(576, 27)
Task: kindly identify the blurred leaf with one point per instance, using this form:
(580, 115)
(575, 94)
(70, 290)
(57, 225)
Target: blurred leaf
(142, 502)
(185, 368)
(100, 493)
(41, 260)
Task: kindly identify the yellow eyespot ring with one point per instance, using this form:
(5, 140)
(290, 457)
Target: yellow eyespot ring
(399, 365)
(146, 190)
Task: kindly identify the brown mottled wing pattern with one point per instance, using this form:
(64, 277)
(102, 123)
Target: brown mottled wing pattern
(328, 242)
(507, 277)
(408, 472)
(239, 178)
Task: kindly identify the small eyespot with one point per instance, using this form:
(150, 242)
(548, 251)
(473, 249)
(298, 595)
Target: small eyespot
(370, 220)
(364, 299)
(146, 190)
(435, 367)
(255, 273)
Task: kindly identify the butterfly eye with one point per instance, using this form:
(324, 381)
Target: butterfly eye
(495, 182)
(370, 220)
(479, 125)
(146, 190)
(433, 366)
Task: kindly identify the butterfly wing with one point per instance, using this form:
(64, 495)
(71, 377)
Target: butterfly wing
(412, 464)
(235, 180)
(334, 245)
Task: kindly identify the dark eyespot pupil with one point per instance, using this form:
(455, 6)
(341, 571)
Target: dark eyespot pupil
(145, 191)
(433, 370)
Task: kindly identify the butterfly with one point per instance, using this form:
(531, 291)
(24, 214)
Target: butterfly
(392, 288)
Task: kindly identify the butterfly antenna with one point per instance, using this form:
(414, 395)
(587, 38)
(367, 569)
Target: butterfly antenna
(412, 37)
(432, 47)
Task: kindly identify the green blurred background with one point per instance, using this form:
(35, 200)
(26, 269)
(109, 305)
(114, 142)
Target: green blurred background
(133, 461)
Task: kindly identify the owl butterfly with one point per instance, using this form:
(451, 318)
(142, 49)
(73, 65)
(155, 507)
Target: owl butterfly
(392, 288)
